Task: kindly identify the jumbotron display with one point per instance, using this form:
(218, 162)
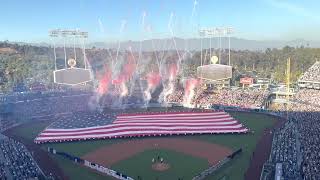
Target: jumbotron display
(214, 72)
(72, 76)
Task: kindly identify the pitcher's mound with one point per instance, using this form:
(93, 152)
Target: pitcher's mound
(160, 166)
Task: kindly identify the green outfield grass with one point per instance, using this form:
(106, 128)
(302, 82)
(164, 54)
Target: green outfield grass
(81, 148)
(31, 130)
(181, 165)
(233, 171)
(237, 167)
(76, 172)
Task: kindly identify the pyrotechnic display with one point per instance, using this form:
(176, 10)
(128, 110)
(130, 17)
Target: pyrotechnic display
(159, 90)
(136, 74)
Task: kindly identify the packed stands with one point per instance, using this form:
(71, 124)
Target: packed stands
(52, 105)
(296, 145)
(309, 138)
(307, 100)
(16, 161)
(246, 98)
(312, 74)
(284, 147)
(16, 108)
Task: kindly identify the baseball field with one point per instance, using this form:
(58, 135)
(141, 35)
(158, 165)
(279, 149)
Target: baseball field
(157, 157)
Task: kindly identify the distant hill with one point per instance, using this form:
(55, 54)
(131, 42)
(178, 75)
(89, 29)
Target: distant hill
(27, 63)
(195, 44)
(7, 51)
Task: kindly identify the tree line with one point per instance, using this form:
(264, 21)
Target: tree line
(26, 63)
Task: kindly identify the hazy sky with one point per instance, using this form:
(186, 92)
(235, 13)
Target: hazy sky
(30, 20)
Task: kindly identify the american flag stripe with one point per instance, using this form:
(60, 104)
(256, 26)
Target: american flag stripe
(151, 124)
(145, 125)
(177, 121)
(134, 130)
(150, 127)
(135, 123)
(121, 134)
(170, 114)
(175, 118)
(115, 123)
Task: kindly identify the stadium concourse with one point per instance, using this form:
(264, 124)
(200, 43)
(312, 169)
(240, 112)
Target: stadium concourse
(100, 126)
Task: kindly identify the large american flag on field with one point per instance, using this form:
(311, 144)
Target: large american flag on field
(150, 124)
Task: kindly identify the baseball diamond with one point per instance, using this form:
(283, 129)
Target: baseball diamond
(110, 155)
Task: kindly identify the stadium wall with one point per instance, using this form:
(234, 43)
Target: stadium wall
(90, 165)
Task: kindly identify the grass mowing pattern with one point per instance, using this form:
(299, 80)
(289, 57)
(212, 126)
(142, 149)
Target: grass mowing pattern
(181, 165)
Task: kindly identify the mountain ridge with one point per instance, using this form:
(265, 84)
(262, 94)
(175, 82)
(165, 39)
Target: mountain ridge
(193, 44)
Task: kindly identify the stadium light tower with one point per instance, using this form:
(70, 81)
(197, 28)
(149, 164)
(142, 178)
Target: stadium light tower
(217, 32)
(229, 31)
(71, 75)
(56, 33)
(206, 32)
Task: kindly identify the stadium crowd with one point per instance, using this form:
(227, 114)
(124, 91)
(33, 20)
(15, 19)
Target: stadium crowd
(248, 98)
(245, 98)
(312, 74)
(16, 161)
(296, 145)
(52, 105)
(284, 147)
(29, 95)
(309, 131)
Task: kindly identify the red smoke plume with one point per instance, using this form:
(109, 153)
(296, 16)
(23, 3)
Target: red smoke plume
(126, 73)
(104, 81)
(153, 79)
(190, 85)
(173, 70)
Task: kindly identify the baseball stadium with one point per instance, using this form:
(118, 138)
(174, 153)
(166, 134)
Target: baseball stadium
(156, 155)
(136, 126)
(97, 136)
(193, 103)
